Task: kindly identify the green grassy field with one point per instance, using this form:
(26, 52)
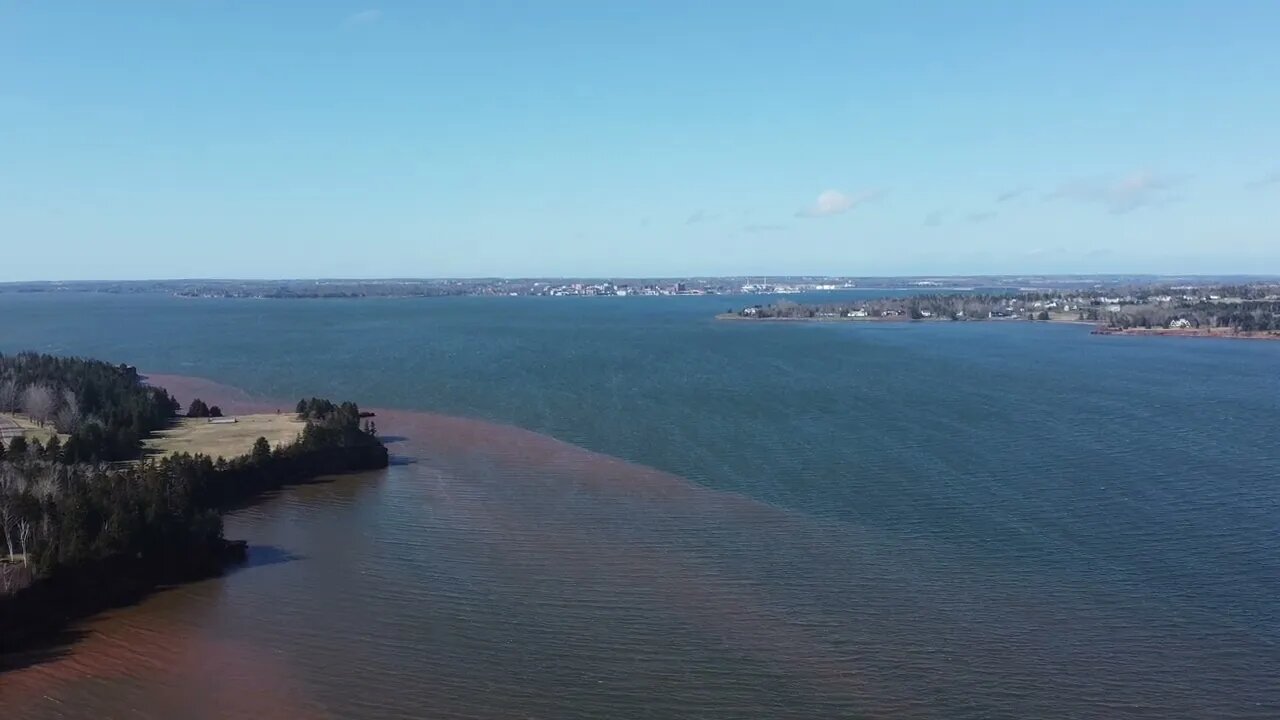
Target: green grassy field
(11, 425)
(228, 440)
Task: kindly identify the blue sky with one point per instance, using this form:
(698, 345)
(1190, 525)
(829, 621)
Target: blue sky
(205, 138)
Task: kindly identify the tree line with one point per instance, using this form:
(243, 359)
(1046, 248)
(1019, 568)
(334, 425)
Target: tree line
(1259, 311)
(967, 306)
(198, 409)
(78, 532)
(58, 515)
(105, 409)
(1246, 316)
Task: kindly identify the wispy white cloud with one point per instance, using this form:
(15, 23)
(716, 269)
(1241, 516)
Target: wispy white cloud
(981, 217)
(1044, 252)
(364, 17)
(1123, 194)
(835, 202)
(1013, 194)
(764, 228)
(700, 216)
(1272, 178)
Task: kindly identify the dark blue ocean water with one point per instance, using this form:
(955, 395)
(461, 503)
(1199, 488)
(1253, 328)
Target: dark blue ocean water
(933, 520)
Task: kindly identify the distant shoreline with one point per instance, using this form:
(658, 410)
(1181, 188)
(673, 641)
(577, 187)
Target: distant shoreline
(1097, 329)
(614, 285)
(1227, 334)
(891, 319)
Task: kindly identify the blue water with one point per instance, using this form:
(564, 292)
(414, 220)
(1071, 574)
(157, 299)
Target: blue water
(1025, 519)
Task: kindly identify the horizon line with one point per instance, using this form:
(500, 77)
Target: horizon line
(765, 276)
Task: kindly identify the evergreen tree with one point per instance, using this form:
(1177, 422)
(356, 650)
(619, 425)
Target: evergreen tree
(153, 518)
(53, 450)
(197, 409)
(261, 454)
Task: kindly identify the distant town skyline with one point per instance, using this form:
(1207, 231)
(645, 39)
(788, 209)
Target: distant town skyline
(584, 139)
(623, 287)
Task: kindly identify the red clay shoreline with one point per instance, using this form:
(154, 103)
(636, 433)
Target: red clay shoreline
(1188, 333)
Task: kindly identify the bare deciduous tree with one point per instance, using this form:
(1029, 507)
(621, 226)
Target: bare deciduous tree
(6, 521)
(47, 486)
(24, 538)
(67, 418)
(9, 489)
(40, 402)
(9, 396)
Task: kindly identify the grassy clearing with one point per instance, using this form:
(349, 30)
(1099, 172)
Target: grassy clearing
(228, 440)
(1069, 317)
(29, 428)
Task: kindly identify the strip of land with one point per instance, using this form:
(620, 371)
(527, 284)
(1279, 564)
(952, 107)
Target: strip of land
(130, 496)
(1056, 318)
(1249, 311)
(224, 437)
(14, 424)
(1218, 333)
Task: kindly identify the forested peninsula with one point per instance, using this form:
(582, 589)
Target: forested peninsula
(1228, 311)
(90, 520)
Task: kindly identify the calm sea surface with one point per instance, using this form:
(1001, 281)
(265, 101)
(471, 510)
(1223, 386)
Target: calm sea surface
(621, 508)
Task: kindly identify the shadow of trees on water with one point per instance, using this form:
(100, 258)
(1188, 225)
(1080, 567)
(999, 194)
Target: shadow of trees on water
(264, 556)
(49, 646)
(37, 652)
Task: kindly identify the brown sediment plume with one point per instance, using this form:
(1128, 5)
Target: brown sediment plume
(579, 518)
(189, 672)
(722, 609)
(569, 548)
(507, 446)
(583, 539)
(232, 400)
